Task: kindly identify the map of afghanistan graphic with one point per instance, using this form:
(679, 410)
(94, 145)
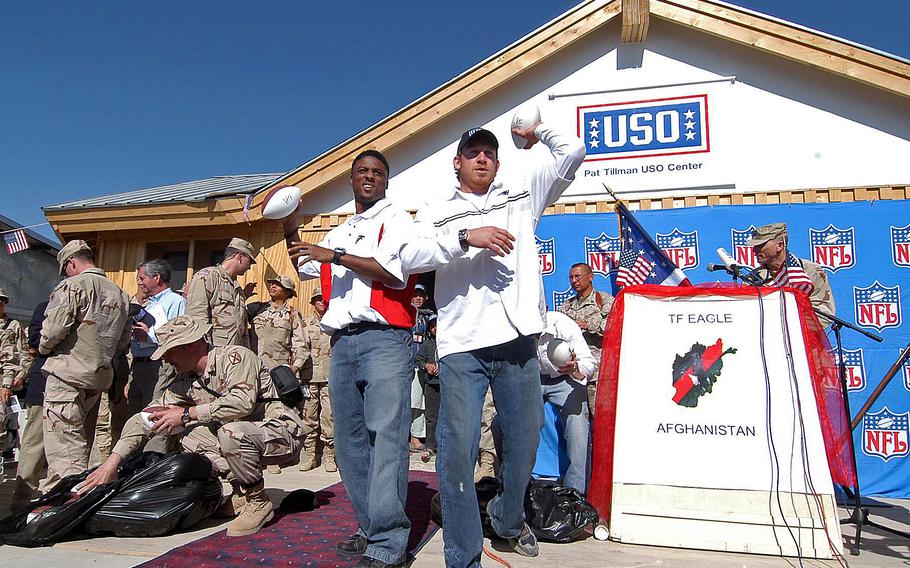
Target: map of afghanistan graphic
(695, 373)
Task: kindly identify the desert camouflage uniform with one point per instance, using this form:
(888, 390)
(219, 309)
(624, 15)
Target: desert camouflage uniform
(215, 297)
(280, 337)
(234, 431)
(85, 324)
(821, 298)
(593, 314)
(15, 361)
(317, 409)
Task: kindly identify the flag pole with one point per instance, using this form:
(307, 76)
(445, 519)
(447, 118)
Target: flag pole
(615, 210)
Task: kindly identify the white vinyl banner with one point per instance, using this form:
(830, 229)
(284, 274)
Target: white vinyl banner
(751, 426)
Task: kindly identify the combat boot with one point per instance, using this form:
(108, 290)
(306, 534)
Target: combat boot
(308, 455)
(230, 506)
(485, 467)
(257, 512)
(328, 458)
(274, 468)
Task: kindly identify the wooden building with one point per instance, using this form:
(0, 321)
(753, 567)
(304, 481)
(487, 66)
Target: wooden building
(796, 116)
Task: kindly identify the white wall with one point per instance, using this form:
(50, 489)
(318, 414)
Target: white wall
(781, 125)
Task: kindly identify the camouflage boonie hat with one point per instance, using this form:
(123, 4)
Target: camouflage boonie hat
(68, 250)
(766, 233)
(317, 293)
(3, 295)
(182, 330)
(243, 246)
(286, 283)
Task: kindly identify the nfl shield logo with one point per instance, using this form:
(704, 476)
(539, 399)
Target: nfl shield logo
(877, 306)
(560, 298)
(906, 369)
(602, 253)
(681, 248)
(855, 366)
(546, 254)
(885, 434)
(900, 245)
(833, 247)
(742, 253)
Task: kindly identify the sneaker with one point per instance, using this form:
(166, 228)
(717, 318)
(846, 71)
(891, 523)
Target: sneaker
(526, 543)
(354, 545)
(367, 562)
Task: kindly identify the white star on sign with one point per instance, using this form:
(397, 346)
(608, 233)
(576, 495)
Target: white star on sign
(593, 143)
(594, 135)
(690, 125)
(593, 123)
(689, 114)
(690, 136)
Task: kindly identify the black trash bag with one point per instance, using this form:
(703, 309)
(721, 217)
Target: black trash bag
(556, 513)
(161, 493)
(55, 514)
(487, 488)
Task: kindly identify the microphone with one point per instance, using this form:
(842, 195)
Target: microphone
(729, 261)
(713, 267)
(734, 268)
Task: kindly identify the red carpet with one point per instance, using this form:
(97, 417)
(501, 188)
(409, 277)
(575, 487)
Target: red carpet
(303, 539)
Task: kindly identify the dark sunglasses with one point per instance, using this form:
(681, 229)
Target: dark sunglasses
(472, 153)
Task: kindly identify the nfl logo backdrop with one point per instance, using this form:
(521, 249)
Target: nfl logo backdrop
(906, 370)
(659, 127)
(832, 247)
(681, 248)
(602, 253)
(560, 298)
(546, 254)
(877, 306)
(743, 253)
(900, 245)
(885, 434)
(855, 367)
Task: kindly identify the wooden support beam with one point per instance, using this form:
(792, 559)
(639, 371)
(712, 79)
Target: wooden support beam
(635, 21)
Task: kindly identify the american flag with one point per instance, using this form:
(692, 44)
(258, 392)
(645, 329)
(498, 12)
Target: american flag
(15, 241)
(641, 260)
(793, 275)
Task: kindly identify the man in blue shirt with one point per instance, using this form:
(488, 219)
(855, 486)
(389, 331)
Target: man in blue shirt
(148, 378)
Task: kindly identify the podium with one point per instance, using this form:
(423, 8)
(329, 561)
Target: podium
(719, 423)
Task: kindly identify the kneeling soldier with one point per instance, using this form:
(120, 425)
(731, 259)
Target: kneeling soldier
(224, 406)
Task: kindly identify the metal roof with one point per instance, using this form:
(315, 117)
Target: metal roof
(183, 192)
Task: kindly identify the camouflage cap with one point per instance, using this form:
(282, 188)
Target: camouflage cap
(68, 250)
(182, 330)
(766, 233)
(317, 293)
(243, 246)
(3, 295)
(286, 283)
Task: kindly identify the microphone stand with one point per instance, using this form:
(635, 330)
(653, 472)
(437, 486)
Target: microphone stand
(859, 516)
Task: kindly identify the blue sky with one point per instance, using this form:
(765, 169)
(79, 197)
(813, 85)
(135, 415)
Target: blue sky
(102, 97)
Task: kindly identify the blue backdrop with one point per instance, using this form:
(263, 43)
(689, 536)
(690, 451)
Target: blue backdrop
(864, 246)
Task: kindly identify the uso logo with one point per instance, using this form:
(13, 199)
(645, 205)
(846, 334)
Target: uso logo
(877, 306)
(546, 254)
(855, 366)
(832, 247)
(885, 434)
(900, 245)
(560, 298)
(658, 127)
(743, 253)
(602, 253)
(680, 247)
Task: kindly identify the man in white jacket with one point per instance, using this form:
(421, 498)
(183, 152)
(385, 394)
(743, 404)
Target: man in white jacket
(490, 315)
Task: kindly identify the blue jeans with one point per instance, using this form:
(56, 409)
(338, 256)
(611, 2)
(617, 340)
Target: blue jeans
(512, 371)
(370, 391)
(571, 398)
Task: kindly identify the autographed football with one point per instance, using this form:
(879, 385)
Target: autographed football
(281, 202)
(527, 115)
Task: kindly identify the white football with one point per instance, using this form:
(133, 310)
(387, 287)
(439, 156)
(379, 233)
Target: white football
(281, 202)
(527, 115)
(559, 352)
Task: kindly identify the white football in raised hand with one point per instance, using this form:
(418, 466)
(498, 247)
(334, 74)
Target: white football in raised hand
(527, 115)
(281, 202)
(559, 352)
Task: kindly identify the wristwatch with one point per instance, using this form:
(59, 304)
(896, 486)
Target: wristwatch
(186, 416)
(339, 252)
(463, 239)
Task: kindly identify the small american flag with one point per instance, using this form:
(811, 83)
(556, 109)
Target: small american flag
(15, 241)
(793, 275)
(634, 268)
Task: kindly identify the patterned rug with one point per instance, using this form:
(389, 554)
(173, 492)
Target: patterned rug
(303, 539)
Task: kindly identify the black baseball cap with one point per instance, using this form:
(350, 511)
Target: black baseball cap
(476, 134)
